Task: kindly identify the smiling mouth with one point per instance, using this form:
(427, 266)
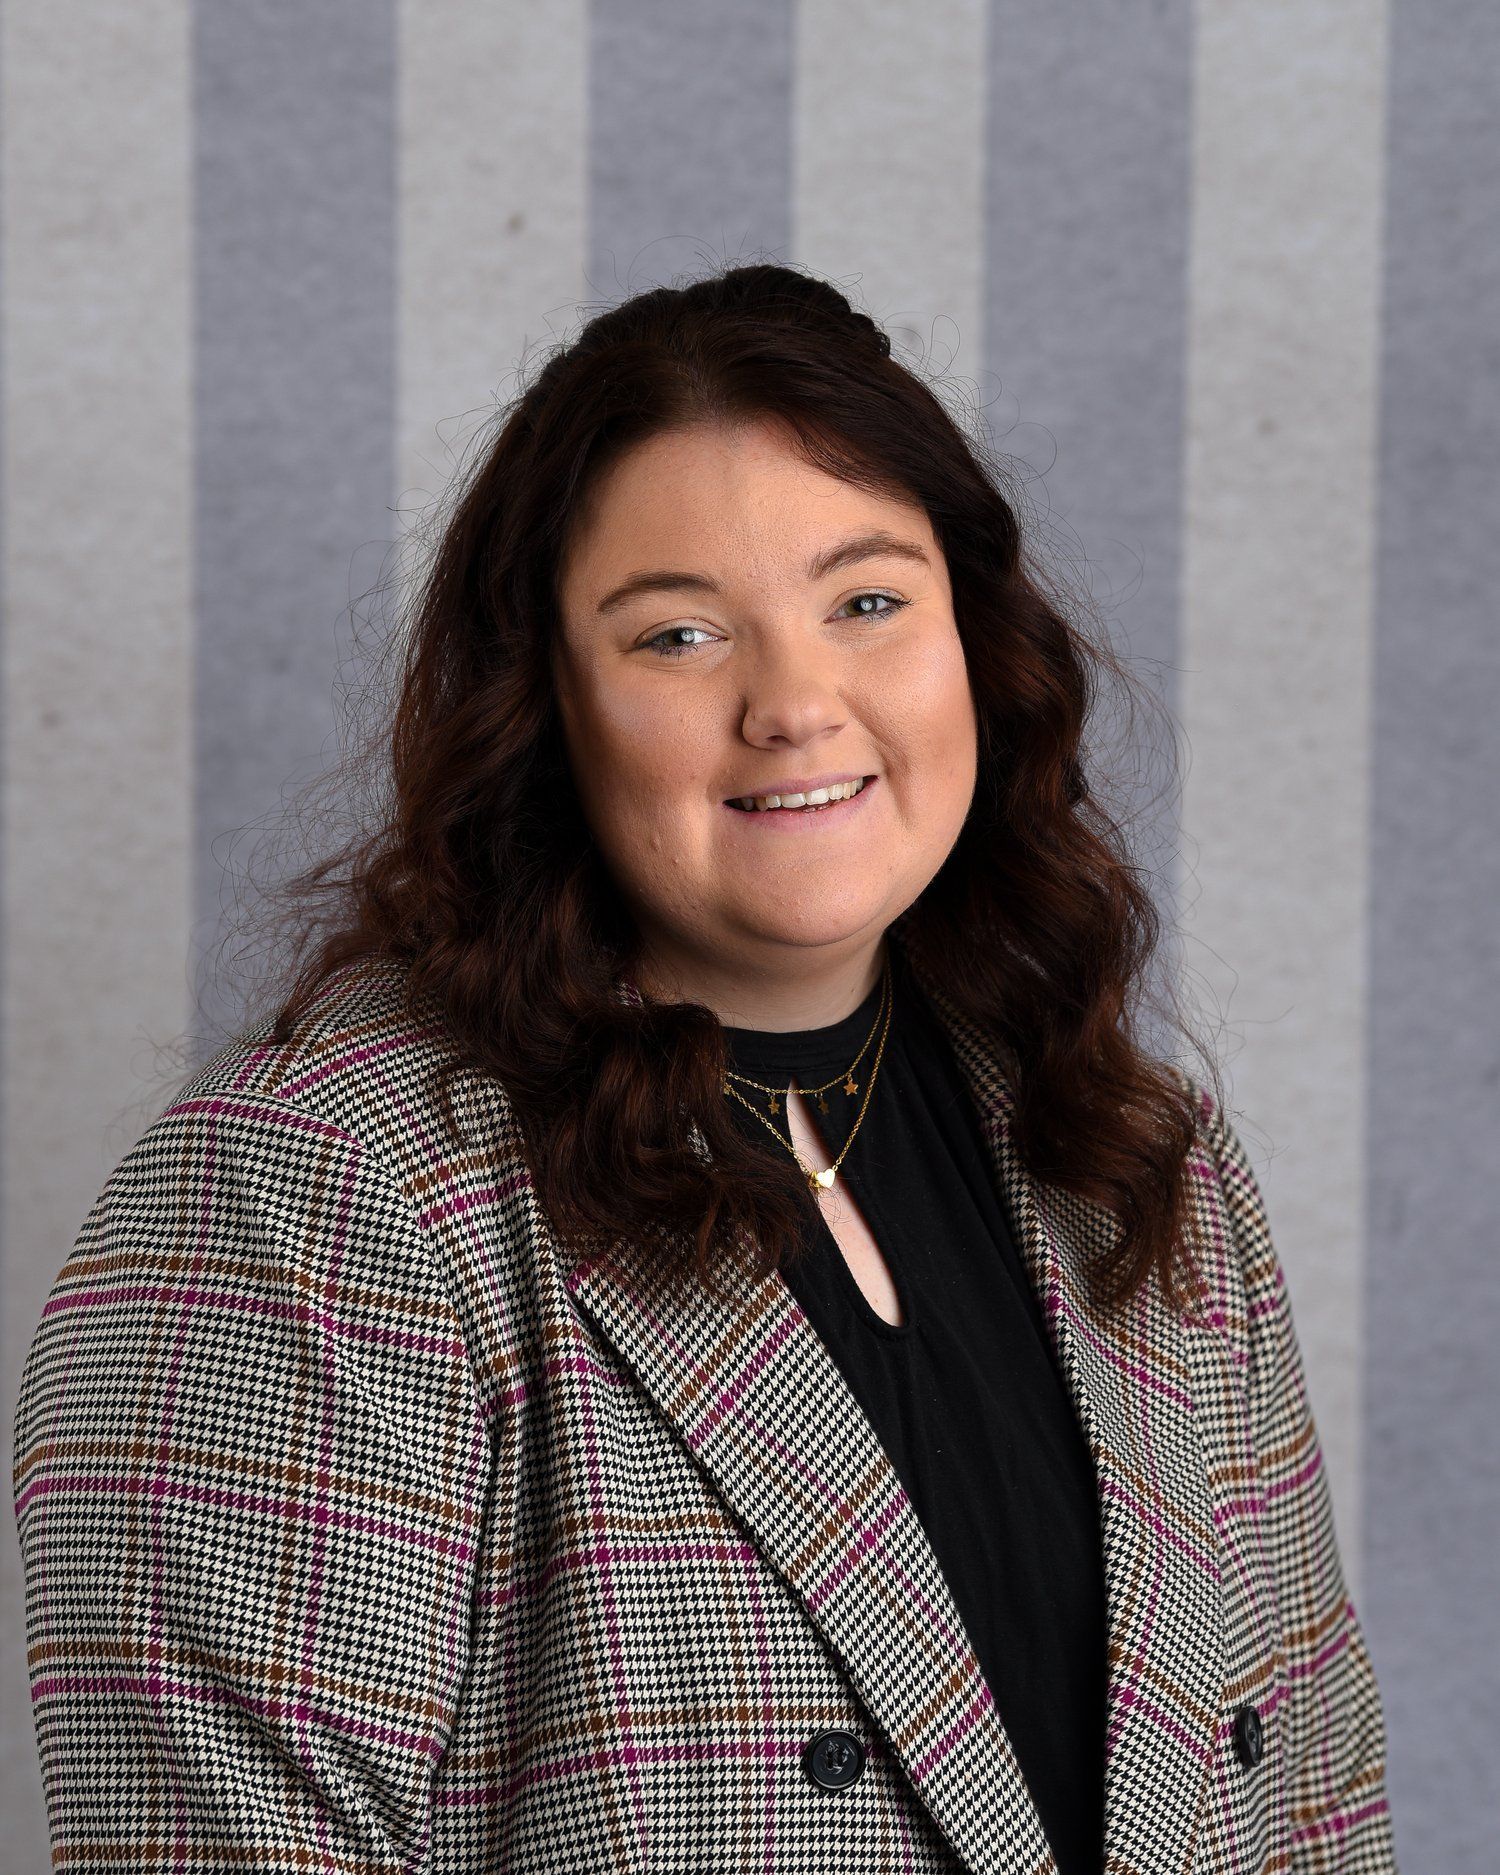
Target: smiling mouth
(806, 808)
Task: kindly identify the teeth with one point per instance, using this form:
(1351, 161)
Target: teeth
(817, 797)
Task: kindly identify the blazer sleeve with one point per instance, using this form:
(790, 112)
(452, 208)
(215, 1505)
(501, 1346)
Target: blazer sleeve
(249, 1470)
(1332, 1726)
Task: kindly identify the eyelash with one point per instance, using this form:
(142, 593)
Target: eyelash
(894, 605)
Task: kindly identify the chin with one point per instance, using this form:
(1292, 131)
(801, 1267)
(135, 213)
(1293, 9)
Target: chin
(844, 921)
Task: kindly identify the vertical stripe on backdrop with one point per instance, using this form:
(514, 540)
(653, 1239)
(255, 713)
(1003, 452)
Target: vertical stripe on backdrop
(1277, 602)
(888, 170)
(1432, 1516)
(97, 681)
(1086, 224)
(491, 218)
(689, 108)
(295, 274)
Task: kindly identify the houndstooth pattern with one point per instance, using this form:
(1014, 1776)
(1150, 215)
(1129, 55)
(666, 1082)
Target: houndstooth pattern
(362, 1531)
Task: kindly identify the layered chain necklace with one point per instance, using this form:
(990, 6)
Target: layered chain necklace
(823, 1181)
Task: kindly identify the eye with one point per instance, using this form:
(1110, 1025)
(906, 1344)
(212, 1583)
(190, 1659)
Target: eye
(890, 598)
(662, 649)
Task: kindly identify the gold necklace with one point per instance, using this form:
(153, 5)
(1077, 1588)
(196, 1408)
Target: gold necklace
(823, 1181)
(851, 1086)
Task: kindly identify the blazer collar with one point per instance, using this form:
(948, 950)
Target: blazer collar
(753, 1392)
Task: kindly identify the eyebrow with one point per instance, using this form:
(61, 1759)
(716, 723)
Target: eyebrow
(874, 545)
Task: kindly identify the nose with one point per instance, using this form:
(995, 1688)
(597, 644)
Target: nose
(790, 700)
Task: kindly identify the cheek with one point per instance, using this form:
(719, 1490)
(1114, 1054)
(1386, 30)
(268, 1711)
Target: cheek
(642, 772)
(930, 717)
(627, 806)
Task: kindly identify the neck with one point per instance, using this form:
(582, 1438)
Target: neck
(774, 998)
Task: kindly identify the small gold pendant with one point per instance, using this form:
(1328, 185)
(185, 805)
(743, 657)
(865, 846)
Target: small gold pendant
(822, 1180)
(822, 1104)
(851, 1086)
(775, 1104)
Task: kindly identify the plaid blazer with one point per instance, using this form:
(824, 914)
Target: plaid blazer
(363, 1531)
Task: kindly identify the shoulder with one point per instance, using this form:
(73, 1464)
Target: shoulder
(361, 1064)
(335, 1143)
(272, 1218)
(1246, 1311)
(330, 1157)
(1226, 1221)
(330, 1149)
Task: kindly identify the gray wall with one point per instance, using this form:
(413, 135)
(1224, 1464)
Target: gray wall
(1225, 279)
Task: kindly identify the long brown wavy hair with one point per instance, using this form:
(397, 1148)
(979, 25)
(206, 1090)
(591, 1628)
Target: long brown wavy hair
(482, 877)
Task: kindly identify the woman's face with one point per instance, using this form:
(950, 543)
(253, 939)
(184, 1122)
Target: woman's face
(751, 661)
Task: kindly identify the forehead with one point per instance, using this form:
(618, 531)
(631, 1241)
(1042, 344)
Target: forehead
(735, 502)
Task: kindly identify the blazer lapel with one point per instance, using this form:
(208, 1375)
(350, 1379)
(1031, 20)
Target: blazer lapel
(760, 1402)
(753, 1392)
(1129, 1377)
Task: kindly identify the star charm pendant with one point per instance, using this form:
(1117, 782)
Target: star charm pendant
(775, 1104)
(851, 1086)
(822, 1104)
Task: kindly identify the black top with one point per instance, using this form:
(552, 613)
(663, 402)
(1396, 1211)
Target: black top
(964, 1394)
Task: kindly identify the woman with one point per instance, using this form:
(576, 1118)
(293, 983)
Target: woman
(696, 1337)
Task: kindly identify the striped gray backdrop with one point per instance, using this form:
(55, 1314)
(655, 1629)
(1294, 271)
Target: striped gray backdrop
(1225, 275)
